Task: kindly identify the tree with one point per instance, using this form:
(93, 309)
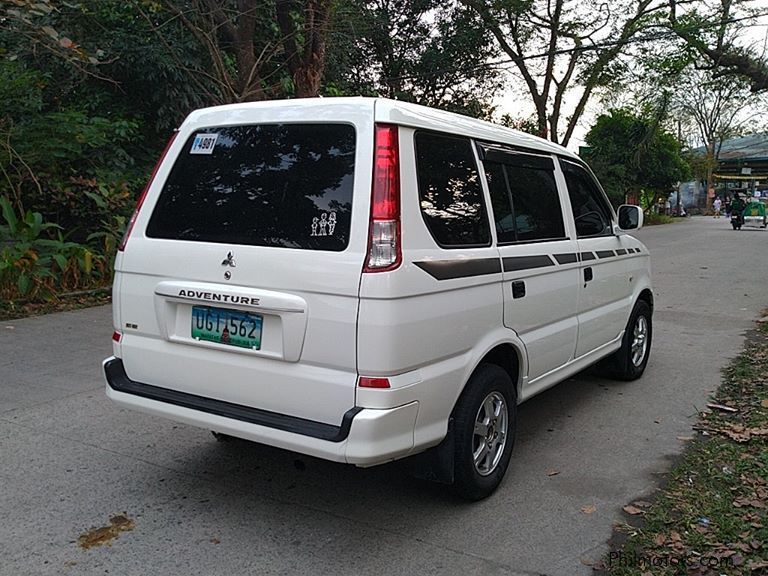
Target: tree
(63, 152)
(524, 124)
(713, 32)
(256, 49)
(717, 109)
(422, 51)
(556, 47)
(31, 27)
(634, 154)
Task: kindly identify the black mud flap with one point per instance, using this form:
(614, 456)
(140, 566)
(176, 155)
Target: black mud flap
(436, 464)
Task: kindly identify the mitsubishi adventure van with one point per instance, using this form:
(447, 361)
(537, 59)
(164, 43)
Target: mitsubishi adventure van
(363, 280)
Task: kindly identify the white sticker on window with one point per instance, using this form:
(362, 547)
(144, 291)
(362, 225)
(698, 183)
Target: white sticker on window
(204, 144)
(327, 221)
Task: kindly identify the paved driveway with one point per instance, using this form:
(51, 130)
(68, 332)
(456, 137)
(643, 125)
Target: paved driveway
(70, 461)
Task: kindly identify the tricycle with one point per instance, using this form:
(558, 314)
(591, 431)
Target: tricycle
(754, 214)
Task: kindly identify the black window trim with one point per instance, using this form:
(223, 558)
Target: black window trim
(509, 198)
(537, 241)
(487, 216)
(604, 198)
(514, 156)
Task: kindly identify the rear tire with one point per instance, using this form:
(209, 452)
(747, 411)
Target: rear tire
(484, 423)
(629, 361)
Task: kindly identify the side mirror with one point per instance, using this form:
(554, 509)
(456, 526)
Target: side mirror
(630, 217)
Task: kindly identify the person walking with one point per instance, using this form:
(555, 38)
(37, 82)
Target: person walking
(716, 205)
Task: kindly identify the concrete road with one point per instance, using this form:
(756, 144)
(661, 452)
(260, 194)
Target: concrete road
(70, 461)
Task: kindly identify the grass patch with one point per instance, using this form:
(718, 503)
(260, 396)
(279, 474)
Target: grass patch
(712, 516)
(652, 219)
(11, 310)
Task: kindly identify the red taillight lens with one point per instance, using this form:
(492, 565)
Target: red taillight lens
(117, 336)
(143, 195)
(384, 235)
(365, 382)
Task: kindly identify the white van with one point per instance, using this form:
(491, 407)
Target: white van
(362, 280)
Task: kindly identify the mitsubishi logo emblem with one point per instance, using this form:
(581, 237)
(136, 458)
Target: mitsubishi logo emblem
(229, 260)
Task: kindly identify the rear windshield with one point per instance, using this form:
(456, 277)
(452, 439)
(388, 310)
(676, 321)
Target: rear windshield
(285, 185)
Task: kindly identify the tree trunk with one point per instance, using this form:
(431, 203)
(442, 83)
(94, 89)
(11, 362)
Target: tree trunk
(306, 62)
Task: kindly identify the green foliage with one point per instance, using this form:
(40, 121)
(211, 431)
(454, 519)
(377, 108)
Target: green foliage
(36, 261)
(528, 125)
(651, 219)
(632, 154)
(425, 52)
(20, 90)
(147, 81)
(73, 167)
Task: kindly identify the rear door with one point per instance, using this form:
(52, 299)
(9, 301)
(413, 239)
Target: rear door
(604, 295)
(241, 280)
(539, 260)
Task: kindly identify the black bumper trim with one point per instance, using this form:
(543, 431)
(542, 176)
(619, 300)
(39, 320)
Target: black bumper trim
(118, 380)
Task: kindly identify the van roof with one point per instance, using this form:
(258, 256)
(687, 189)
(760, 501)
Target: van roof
(385, 110)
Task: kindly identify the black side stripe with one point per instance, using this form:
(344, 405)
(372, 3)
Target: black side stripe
(566, 258)
(450, 269)
(517, 263)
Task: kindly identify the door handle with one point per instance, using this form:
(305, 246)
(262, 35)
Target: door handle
(588, 275)
(518, 289)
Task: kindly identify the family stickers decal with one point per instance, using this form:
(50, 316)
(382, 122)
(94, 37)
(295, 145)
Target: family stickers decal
(325, 225)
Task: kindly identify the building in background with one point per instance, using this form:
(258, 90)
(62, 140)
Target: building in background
(742, 165)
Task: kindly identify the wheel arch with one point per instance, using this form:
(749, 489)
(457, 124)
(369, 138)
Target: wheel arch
(647, 296)
(508, 353)
(509, 358)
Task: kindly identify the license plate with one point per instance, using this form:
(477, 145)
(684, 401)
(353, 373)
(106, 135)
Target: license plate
(226, 326)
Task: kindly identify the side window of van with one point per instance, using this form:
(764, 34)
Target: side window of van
(590, 211)
(526, 204)
(450, 194)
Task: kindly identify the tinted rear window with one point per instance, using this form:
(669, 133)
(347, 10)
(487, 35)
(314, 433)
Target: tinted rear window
(284, 185)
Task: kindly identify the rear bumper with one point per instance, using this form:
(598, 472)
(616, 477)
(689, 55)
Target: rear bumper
(365, 437)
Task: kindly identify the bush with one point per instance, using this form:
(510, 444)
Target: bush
(71, 165)
(650, 219)
(37, 262)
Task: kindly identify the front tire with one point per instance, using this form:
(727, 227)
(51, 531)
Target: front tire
(485, 420)
(630, 360)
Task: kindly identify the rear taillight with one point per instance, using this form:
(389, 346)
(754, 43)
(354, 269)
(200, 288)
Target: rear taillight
(135, 214)
(384, 233)
(117, 336)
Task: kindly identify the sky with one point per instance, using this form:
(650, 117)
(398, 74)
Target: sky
(517, 103)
